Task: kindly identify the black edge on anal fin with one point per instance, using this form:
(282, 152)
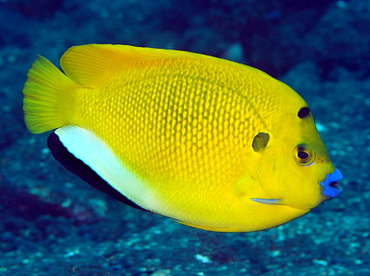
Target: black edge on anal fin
(79, 168)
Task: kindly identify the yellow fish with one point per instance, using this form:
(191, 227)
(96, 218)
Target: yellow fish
(211, 143)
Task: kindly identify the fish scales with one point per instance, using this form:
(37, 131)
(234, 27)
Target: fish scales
(147, 139)
(144, 145)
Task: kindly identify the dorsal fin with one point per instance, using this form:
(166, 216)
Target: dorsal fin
(90, 65)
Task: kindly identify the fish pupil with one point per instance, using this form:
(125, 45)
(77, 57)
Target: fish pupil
(304, 112)
(303, 155)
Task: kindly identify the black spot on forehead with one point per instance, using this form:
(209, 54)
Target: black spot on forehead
(304, 112)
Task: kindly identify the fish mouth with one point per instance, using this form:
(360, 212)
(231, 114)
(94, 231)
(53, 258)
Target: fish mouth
(330, 186)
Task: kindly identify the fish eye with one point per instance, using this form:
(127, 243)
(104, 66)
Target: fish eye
(303, 155)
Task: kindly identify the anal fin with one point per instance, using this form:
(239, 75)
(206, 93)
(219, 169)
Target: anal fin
(79, 168)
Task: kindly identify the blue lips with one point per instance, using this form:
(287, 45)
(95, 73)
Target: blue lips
(330, 186)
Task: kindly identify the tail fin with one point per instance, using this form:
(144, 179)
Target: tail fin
(44, 97)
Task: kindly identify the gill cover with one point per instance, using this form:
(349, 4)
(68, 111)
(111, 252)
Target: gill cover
(259, 143)
(294, 164)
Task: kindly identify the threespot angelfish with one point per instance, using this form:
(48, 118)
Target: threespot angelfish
(211, 143)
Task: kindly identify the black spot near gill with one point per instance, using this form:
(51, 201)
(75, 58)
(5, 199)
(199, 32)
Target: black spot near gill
(304, 112)
(260, 141)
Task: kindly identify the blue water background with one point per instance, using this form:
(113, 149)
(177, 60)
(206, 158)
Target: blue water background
(52, 223)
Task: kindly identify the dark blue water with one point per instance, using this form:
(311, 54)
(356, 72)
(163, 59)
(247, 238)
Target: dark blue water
(52, 223)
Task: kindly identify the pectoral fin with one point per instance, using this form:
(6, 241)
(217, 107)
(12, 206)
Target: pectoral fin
(268, 201)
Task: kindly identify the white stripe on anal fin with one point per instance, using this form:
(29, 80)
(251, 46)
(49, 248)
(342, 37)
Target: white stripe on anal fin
(95, 153)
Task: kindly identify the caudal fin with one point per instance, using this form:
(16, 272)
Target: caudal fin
(45, 92)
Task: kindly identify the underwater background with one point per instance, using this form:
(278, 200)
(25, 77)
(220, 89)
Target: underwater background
(52, 223)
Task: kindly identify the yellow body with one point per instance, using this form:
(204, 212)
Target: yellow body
(183, 124)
